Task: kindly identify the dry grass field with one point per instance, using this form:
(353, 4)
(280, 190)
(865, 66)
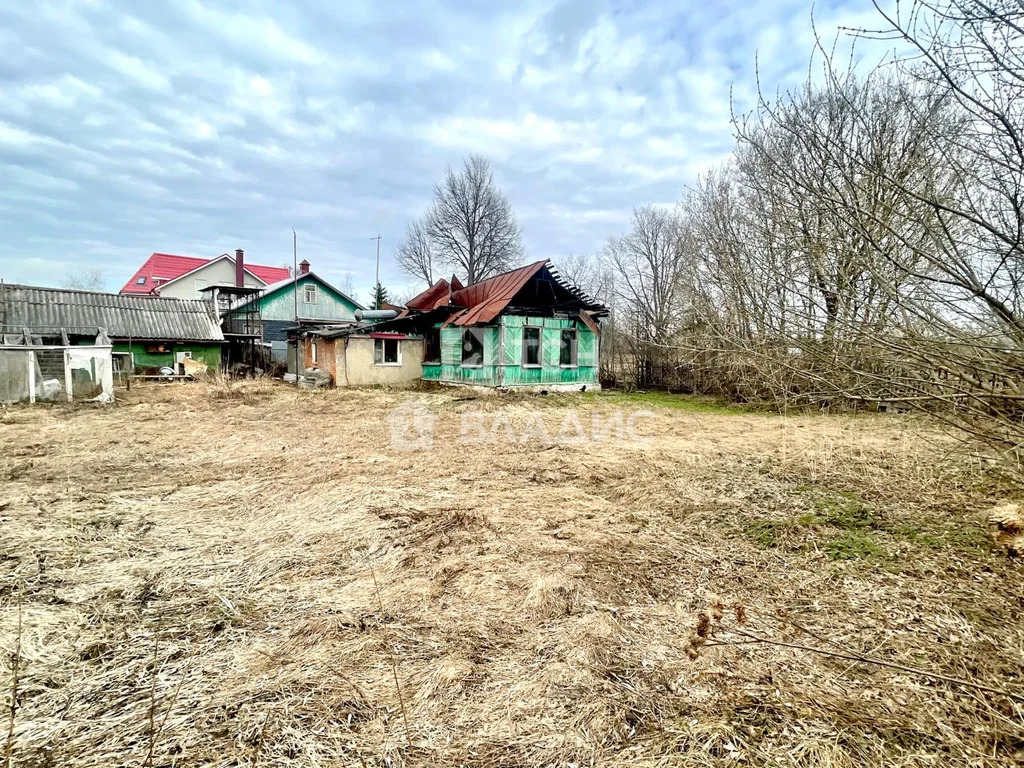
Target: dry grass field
(249, 575)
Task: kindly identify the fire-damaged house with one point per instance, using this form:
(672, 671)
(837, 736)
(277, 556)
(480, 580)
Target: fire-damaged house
(526, 328)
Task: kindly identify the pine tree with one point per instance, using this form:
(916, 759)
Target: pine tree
(379, 296)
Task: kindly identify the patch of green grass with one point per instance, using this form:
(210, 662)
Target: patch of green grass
(844, 510)
(927, 533)
(854, 545)
(839, 509)
(766, 534)
(689, 403)
(847, 511)
(853, 529)
(842, 516)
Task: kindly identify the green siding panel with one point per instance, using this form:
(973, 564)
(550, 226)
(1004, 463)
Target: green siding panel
(485, 376)
(586, 347)
(451, 345)
(550, 341)
(512, 349)
(491, 345)
(207, 353)
(330, 305)
(503, 350)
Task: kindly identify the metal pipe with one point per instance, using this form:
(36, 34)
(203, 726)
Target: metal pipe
(376, 314)
(295, 294)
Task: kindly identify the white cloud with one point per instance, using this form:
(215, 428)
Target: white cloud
(13, 136)
(261, 86)
(438, 61)
(65, 92)
(246, 29)
(201, 127)
(135, 69)
(480, 134)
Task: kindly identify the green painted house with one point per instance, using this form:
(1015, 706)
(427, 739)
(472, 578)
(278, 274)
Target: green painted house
(527, 328)
(518, 351)
(307, 298)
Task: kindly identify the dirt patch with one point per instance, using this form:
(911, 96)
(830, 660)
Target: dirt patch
(243, 573)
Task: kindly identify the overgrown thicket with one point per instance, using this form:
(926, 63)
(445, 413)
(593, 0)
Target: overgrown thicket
(863, 244)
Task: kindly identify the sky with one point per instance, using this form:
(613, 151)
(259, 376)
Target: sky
(197, 127)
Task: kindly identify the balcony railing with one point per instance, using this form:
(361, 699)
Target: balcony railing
(247, 324)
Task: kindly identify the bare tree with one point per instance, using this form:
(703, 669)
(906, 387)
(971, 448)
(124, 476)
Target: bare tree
(415, 256)
(471, 225)
(588, 273)
(84, 280)
(346, 285)
(965, 343)
(649, 265)
(649, 269)
(866, 242)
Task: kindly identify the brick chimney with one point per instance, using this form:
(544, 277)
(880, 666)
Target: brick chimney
(239, 268)
(303, 267)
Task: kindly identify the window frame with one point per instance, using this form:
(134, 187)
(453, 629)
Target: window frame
(307, 289)
(433, 333)
(574, 356)
(383, 353)
(540, 345)
(478, 335)
(141, 280)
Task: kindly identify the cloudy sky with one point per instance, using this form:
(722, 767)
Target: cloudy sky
(198, 127)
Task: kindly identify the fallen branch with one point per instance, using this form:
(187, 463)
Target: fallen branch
(9, 745)
(391, 653)
(852, 656)
(259, 740)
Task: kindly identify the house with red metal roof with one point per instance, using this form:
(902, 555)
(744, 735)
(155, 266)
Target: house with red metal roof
(526, 328)
(184, 277)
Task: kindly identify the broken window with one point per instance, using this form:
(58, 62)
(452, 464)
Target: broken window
(473, 347)
(567, 353)
(531, 346)
(432, 346)
(386, 352)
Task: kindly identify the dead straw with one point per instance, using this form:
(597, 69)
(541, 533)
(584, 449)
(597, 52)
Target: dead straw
(15, 670)
(534, 596)
(862, 659)
(391, 654)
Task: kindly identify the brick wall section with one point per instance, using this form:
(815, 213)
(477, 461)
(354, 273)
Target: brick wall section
(325, 356)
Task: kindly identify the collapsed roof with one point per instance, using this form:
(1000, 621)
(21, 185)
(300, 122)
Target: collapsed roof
(536, 287)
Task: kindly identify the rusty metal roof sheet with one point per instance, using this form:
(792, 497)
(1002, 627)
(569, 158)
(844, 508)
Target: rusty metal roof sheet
(481, 302)
(45, 311)
(485, 300)
(437, 295)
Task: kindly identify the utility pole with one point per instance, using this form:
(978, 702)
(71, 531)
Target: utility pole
(295, 295)
(376, 284)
